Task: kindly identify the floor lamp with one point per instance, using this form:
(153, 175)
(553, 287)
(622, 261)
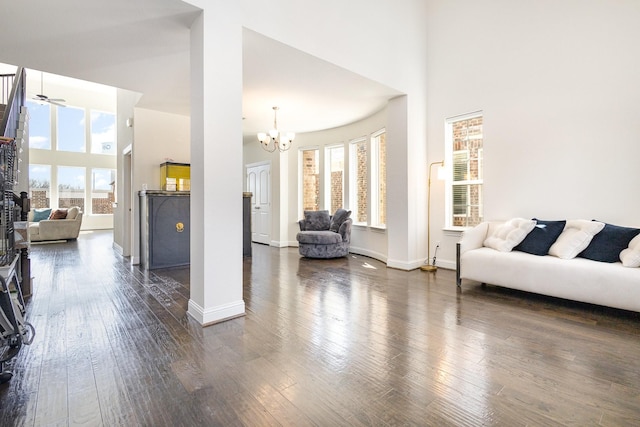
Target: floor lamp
(432, 266)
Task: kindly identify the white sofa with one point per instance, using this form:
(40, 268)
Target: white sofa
(579, 279)
(56, 229)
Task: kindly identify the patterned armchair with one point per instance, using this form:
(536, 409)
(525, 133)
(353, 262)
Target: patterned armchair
(324, 236)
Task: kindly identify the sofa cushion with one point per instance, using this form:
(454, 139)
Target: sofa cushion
(630, 256)
(41, 214)
(58, 214)
(325, 237)
(608, 243)
(575, 237)
(73, 212)
(317, 220)
(543, 235)
(506, 236)
(338, 218)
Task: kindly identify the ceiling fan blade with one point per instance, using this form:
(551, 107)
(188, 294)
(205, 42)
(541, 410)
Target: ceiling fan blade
(57, 99)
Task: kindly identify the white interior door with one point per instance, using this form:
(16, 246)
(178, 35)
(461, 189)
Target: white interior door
(259, 184)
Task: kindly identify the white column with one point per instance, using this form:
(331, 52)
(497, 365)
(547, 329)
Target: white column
(216, 166)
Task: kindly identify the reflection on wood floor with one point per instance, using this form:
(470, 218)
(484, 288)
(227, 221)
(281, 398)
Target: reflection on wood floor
(324, 342)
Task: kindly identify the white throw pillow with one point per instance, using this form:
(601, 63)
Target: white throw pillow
(575, 238)
(630, 257)
(510, 234)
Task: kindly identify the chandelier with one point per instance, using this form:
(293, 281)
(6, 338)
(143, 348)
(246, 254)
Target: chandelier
(276, 140)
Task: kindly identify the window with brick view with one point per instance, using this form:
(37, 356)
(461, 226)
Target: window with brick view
(310, 180)
(466, 142)
(40, 186)
(359, 184)
(335, 177)
(102, 191)
(379, 190)
(71, 185)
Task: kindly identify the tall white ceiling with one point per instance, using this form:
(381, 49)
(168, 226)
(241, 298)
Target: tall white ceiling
(143, 46)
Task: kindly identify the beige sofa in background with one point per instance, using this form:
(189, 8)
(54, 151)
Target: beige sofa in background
(56, 229)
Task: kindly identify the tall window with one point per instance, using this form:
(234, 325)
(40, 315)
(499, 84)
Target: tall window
(40, 186)
(102, 191)
(71, 185)
(464, 138)
(39, 125)
(103, 133)
(71, 129)
(359, 180)
(310, 179)
(335, 178)
(379, 179)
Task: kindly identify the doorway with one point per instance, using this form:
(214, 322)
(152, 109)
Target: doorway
(259, 184)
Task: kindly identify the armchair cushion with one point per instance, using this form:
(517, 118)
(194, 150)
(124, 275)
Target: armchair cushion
(338, 218)
(316, 220)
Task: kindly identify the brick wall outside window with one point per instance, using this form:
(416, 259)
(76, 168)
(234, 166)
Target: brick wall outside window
(467, 171)
(382, 179)
(310, 180)
(336, 190)
(362, 181)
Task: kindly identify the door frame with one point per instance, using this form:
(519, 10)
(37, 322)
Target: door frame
(246, 183)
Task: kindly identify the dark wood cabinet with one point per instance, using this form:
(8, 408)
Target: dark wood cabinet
(165, 229)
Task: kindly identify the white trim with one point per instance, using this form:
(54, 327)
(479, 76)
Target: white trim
(327, 174)
(374, 182)
(449, 183)
(352, 201)
(368, 253)
(465, 116)
(300, 204)
(278, 244)
(401, 265)
(215, 314)
(135, 260)
(117, 248)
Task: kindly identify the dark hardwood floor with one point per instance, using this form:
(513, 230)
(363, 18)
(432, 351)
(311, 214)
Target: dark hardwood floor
(324, 342)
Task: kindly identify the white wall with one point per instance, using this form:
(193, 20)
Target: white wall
(126, 101)
(558, 84)
(157, 137)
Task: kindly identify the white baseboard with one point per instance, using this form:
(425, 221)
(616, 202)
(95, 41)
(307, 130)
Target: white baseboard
(278, 244)
(367, 252)
(447, 264)
(117, 248)
(135, 260)
(217, 314)
(402, 265)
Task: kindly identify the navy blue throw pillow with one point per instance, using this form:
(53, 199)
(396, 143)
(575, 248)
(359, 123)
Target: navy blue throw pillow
(608, 243)
(543, 235)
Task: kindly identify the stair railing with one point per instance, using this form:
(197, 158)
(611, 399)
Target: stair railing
(14, 102)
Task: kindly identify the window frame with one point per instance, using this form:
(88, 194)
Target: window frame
(301, 186)
(59, 129)
(354, 195)
(450, 183)
(328, 196)
(374, 179)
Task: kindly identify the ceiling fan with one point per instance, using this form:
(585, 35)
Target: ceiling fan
(44, 98)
